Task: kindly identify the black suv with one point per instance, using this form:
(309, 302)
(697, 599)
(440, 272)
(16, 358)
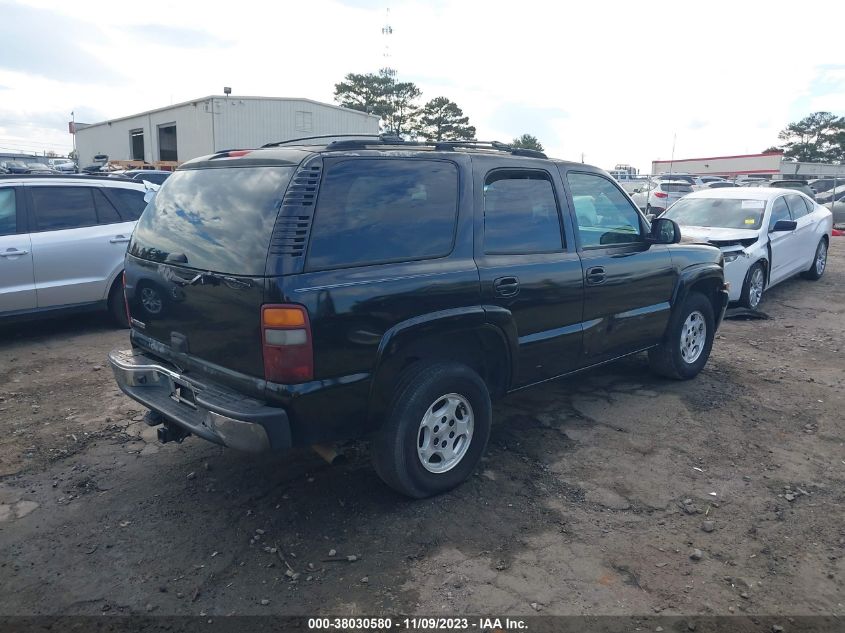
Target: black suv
(318, 291)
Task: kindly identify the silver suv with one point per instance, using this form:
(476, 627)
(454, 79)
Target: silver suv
(63, 241)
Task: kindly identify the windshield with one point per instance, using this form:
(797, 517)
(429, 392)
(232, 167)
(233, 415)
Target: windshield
(725, 213)
(218, 220)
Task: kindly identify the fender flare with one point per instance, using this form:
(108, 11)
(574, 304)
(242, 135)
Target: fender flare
(688, 277)
(492, 319)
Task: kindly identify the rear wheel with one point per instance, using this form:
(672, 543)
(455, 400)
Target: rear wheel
(435, 431)
(819, 262)
(117, 304)
(688, 342)
(753, 287)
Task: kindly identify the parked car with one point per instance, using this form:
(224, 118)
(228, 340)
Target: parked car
(766, 235)
(386, 289)
(63, 165)
(821, 185)
(835, 201)
(154, 176)
(16, 167)
(719, 184)
(797, 185)
(62, 243)
(40, 168)
(690, 179)
(659, 196)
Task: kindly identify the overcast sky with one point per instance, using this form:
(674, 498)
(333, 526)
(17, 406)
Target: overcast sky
(614, 81)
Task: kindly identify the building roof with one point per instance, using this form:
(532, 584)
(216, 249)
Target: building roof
(83, 126)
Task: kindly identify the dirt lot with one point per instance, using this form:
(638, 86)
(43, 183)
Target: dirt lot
(594, 493)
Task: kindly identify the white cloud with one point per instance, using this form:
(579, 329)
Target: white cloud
(615, 81)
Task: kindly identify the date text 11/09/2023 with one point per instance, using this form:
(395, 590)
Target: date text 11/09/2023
(490, 624)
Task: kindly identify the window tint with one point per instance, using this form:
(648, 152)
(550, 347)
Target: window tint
(8, 213)
(106, 213)
(129, 202)
(676, 188)
(213, 219)
(604, 214)
(63, 207)
(520, 213)
(779, 212)
(371, 211)
(796, 206)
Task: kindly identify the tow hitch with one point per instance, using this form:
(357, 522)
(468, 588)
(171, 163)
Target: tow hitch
(171, 433)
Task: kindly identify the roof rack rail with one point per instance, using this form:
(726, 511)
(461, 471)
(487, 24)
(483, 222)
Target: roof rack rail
(350, 141)
(317, 138)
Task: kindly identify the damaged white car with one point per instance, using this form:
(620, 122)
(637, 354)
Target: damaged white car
(766, 235)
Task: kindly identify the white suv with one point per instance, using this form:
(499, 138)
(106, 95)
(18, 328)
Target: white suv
(63, 241)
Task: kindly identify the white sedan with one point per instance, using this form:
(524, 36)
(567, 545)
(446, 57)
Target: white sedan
(766, 235)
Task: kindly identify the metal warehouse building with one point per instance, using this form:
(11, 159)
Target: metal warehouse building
(203, 126)
(759, 165)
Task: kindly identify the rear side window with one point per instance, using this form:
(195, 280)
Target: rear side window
(130, 203)
(218, 219)
(373, 211)
(58, 208)
(106, 213)
(8, 212)
(520, 213)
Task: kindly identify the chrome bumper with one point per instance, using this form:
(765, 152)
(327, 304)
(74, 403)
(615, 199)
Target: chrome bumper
(208, 411)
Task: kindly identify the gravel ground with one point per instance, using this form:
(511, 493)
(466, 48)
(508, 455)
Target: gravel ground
(612, 492)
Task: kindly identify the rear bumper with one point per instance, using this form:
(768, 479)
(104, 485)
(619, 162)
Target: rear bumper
(204, 409)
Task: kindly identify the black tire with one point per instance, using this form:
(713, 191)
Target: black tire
(748, 298)
(818, 266)
(667, 359)
(419, 389)
(117, 305)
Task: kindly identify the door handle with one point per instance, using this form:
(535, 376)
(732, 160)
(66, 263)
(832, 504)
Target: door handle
(119, 239)
(13, 252)
(506, 286)
(595, 275)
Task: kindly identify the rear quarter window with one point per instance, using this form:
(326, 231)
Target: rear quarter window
(129, 202)
(372, 211)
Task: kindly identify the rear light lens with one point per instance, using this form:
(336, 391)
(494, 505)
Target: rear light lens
(286, 343)
(660, 194)
(236, 153)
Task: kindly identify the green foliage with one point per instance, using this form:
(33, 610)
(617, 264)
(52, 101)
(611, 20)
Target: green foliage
(366, 93)
(819, 137)
(442, 120)
(528, 141)
(402, 115)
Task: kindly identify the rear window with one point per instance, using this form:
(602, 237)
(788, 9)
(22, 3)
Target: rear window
(677, 188)
(218, 219)
(371, 211)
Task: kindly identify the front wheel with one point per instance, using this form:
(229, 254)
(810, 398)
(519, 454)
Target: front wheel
(688, 342)
(435, 431)
(753, 287)
(819, 262)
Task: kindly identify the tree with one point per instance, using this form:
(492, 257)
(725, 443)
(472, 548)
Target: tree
(366, 93)
(402, 115)
(442, 120)
(528, 141)
(815, 138)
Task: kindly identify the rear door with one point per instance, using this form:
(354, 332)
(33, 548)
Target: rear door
(78, 243)
(17, 283)
(528, 266)
(806, 238)
(628, 283)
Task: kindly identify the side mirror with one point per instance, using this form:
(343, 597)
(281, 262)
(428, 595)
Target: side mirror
(784, 225)
(664, 231)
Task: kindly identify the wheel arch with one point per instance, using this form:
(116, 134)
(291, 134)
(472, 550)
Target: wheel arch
(463, 335)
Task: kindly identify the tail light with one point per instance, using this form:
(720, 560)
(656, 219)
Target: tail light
(660, 194)
(286, 343)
